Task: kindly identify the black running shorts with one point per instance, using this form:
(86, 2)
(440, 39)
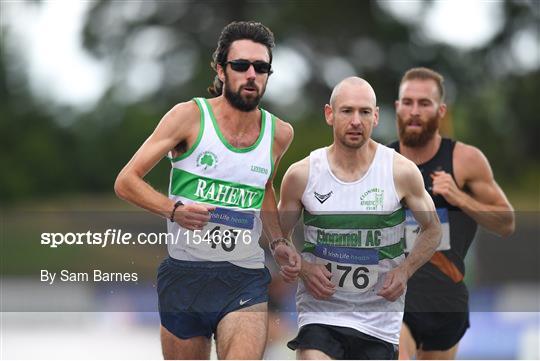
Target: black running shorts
(436, 331)
(343, 343)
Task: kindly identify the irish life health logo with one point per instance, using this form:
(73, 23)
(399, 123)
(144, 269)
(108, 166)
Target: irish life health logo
(373, 199)
(207, 160)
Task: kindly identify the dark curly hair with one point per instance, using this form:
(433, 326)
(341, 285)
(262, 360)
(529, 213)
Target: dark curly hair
(238, 30)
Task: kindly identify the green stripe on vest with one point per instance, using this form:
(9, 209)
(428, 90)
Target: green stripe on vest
(354, 221)
(215, 191)
(386, 252)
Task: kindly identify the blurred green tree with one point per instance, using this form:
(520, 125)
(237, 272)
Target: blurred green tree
(159, 53)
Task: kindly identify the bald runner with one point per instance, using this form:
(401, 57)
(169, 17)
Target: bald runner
(350, 298)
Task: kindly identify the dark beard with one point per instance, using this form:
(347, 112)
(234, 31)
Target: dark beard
(418, 139)
(239, 102)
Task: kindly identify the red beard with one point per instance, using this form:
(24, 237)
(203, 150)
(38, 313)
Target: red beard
(417, 139)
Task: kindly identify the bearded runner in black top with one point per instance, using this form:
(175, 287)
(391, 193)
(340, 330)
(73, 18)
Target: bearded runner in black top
(459, 178)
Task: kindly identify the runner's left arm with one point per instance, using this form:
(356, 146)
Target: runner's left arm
(483, 199)
(410, 187)
(286, 257)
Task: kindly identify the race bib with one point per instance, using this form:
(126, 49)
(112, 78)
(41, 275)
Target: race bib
(226, 231)
(353, 269)
(412, 228)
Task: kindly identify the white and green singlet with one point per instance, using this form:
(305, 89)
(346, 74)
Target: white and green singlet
(233, 179)
(356, 229)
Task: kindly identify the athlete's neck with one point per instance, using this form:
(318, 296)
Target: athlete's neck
(240, 129)
(349, 164)
(422, 154)
(233, 120)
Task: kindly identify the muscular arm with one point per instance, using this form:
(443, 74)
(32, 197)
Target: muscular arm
(410, 188)
(292, 187)
(286, 257)
(176, 126)
(481, 198)
(282, 139)
(316, 277)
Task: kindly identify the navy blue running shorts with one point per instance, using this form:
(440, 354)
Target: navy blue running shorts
(194, 296)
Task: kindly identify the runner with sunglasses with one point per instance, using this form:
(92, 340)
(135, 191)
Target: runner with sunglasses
(223, 153)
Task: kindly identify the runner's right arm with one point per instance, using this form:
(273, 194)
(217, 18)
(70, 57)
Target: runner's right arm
(180, 124)
(316, 277)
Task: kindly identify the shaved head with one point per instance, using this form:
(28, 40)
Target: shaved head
(355, 84)
(352, 112)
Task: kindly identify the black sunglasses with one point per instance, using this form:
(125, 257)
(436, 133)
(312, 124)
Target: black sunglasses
(242, 65)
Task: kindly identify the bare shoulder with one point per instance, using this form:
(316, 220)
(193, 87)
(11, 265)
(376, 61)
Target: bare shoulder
(404, 168)
(180, 124)
(183, 114)
(295, 180)
(466, 153)
(300, 168)
(407, 176)
(283, 135)
(470, 163)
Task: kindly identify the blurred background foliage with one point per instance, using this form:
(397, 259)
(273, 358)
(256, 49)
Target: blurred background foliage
(157, 53)
(83, 84)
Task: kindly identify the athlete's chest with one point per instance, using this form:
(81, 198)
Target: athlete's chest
(241, 139)
(452, 166)
(324, 195)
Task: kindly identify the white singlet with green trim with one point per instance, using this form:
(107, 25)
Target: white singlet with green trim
(356, 229)
(233, 179)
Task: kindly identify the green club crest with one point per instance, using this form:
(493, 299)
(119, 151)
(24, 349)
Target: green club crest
(207, 160)
(373, 199)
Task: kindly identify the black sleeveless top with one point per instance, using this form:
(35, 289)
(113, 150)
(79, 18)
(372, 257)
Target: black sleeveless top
(443, 274)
